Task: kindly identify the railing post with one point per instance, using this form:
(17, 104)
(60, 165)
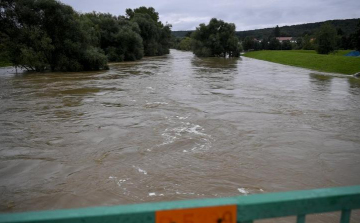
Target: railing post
(345, 216)
(300, 218)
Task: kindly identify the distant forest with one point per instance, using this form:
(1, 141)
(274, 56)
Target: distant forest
(348, 26)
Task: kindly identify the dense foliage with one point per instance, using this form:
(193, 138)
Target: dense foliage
(326, 39)
(156, 36)
(277, 31)
(357, 37)
(43, 35)
(185, 44)
(119, 38)
(215, 39)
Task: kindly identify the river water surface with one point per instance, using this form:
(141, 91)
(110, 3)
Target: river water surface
(174, 127)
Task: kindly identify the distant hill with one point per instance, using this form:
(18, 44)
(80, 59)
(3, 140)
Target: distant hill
(348, 26)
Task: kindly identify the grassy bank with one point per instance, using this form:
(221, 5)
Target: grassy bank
(5, 64)
(335, 63)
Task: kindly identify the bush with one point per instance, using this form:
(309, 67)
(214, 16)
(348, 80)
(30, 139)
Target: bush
(185, 44)
(326, 39)
(286, 45)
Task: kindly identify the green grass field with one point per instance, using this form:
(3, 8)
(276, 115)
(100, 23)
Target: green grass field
(334, 63)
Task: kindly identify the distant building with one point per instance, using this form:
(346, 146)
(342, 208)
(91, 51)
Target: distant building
(291, 39)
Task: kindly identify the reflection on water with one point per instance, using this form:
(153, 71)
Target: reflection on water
(174, 127)
(321, 82)
(354, 83)
(219, 72)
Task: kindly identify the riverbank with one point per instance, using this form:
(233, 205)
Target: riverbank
(334, 63)
(4, 63)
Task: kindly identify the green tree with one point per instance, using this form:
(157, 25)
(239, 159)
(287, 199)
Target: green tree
(46, 34)
(299, 43)
(248, 43)
(357, 37)
(326, 39)
(264, 44)
(188, 34)
(274, 44)
(307, 43)
(156, 36)
(277, 31)
(117, 36)
(185, 44)
(215, 39)
(143, 10)
(286, 45)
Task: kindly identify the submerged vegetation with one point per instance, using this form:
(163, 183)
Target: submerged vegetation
(336, 63)
(43, 35)
(215, 39)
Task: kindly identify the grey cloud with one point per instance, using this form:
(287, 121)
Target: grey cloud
(246, 14)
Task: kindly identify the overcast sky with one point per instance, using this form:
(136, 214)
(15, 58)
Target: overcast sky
(246, 14)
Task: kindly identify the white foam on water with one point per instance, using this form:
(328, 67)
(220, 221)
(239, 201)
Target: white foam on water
(243, 190)
(182, 118)
(152, 194)
(120, 182)
(169, 138)
(190, 131)
(184, 193)
(111, 177)
(140, 170)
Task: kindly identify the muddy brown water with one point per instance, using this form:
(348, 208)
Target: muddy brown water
(171, 128)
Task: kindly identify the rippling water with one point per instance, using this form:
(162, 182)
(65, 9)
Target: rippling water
(174, 127)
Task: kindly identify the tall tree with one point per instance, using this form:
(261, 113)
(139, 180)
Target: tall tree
(357, 37)
(216, 39)
(118, 37)
(307, 43)
(248, 43)
(326, 39)
(277, 31)
(299, 43)
(156, 36)
(286, 45)
(264, 44)
(274, 44)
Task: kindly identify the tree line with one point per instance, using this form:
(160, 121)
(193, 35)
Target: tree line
(346, 25)
(210, 40)
(43, 35)
(325, 40)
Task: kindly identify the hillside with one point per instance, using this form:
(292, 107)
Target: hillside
(348, 26)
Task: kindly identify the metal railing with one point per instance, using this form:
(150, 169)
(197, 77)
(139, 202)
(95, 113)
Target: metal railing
(218, 210)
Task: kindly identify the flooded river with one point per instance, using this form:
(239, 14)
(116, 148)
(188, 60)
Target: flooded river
(174, 127)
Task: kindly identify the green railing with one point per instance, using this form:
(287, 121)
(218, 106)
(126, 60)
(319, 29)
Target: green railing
(217, 210)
